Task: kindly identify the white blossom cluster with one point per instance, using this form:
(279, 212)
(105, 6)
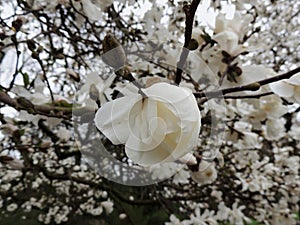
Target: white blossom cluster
(76, 124)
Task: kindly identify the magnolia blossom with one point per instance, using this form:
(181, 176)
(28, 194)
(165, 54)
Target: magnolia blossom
(228, 33)
(239, 24)
(197, 35)
(83, 96)
(175, 221)
(288, 88)
(108, 206)
(206, 173)
(229, 42)
(250, 74)
(274, 129)
(92, 9)
(157, 124)
(204, 218)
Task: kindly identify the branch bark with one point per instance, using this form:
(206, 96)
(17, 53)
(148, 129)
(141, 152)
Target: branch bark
(190, 11)
(46, 110)
(248, 87)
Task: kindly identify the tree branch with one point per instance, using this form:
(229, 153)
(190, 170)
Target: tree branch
(190, 11)
(249, 87)
(46, 110)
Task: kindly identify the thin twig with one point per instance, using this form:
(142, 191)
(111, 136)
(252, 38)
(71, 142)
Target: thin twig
(247, 96)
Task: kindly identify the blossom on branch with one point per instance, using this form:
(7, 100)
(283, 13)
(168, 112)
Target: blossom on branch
(229, 33)
(160, 125)
(288, 88)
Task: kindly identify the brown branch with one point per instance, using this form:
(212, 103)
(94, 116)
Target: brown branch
(98, 185)
(247, 96)
(45, 110)
(190, 11)
(249, 87)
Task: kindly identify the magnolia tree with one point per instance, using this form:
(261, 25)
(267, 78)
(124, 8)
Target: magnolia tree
(149, 112)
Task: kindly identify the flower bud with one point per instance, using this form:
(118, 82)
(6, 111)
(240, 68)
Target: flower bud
(94, 93)
(253, 86)
(25, 103)
(35, 55)
(17, 24)
(114, 54)
(31, 45)
(193, 45)
(73, 75)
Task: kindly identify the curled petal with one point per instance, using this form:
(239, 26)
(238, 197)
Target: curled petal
(112, 119)
(282, 89)
(297, 94)
(295, 80)
(228, 41)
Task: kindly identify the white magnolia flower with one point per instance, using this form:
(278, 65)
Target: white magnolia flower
(229, 42)
(38, 97)
(164, 171)
(288, 88)
(181, 177)
(239, 24)
(274, 129)
(16, 164)
(108, 206)
(228, 32)
(236, 216)
(295, 131)
(206, 218)
(250, 74)
(12, 207)
(160, 125)
(206, 173)
(223, 211)
(175, 221)
(101, 85)
(197, 35)
(92, 9)
(269, 107)
(188, 159)
(283, 216)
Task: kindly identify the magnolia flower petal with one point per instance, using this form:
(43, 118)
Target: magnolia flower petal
(282, 89)
(39, 85)
(21, 91)
(91, 10)
(186, 141)
(168, 117)
(135, 143)
(140, 119)
(297, 94)
(228, 41)
(112, 118)
(181, 100)
(147, 130)
(167, 93)
(156, 155)
(254, 73)
(220, 24)
(295, 80)
(188, 159)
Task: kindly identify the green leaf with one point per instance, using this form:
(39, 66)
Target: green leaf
(25, 79)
